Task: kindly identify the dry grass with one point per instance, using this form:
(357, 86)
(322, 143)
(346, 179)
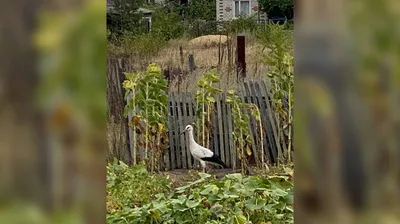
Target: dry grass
(205, 51)
(208, 41)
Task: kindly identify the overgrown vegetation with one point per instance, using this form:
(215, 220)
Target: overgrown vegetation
(142, 46)
(132, 186)
(127, 29)
(138, 195)
(204, 103)
(241, 132)
(234, 199)
(147, 101)
(195, 10)
(125, 18)
(278, 44)
(167, 25)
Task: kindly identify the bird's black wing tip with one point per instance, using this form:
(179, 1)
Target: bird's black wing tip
(214, 159)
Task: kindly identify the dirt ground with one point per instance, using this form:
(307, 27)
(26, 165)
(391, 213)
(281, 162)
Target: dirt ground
(182, 177)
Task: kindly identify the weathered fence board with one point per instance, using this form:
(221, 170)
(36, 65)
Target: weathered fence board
(256, 124)
(225, 125)
(220, 128)
(232, 150)
(171, 128)
(271, 124)
(215, 130)
(186, 120)
(267, 140)
(182, 145)
(177, 118)
(247, 99)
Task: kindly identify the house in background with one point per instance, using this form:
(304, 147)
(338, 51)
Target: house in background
(231, 9)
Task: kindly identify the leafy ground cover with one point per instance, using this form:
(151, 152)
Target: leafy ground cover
(136, 196)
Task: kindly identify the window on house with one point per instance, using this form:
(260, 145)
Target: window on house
(242, 8)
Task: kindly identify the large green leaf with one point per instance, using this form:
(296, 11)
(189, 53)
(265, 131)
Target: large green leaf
(192, 203)
(255, 204)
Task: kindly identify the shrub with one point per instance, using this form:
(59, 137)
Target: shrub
(279, 8)
(194, 10)
(200, 10)
(125, 18)
(144, 45)
(167, 25)
(242, 24)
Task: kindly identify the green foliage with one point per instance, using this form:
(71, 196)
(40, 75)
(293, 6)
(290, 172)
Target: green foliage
(204, 102)
(234, 199)
(194, 10)
(143, 45)
(241, 132)
(147, 91)
(278, 8)
(72, 57)
(125, 17)
(257, 115)
(241, 24)
(200, 10)
(27, 212)
(167, 25)
(279, 45)
(132, 186)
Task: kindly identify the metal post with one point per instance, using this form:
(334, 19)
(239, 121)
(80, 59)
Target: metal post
(241, 56)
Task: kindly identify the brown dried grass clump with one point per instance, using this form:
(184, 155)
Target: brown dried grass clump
(207, 41)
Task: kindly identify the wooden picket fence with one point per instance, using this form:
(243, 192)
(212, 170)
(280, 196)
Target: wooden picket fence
(182, 108)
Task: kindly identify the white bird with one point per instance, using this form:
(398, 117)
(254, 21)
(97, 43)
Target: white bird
(200, 153)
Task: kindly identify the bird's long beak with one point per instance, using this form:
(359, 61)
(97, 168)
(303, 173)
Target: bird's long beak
(182, 132)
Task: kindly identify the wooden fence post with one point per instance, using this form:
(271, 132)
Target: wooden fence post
(181, 54)
(192, 65)
(117, 124)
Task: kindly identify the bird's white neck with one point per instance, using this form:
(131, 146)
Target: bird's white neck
(192, 142)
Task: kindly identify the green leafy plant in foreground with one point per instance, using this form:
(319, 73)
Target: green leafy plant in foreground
(234, 199)
(132, 186)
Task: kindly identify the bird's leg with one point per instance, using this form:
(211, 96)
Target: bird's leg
(203, 165)
(204, 168)
(209, 168)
